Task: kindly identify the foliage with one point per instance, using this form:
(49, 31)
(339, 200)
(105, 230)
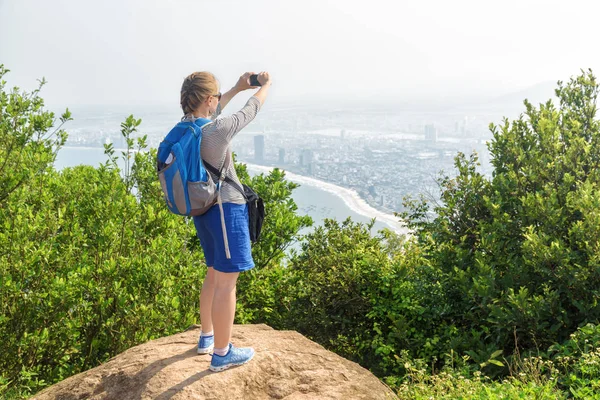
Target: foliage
(29, 144)
(518, 254)
(334, 279)
(460, 384)
(88, 270)
(578, 360)
(569, 370)
(91, 261)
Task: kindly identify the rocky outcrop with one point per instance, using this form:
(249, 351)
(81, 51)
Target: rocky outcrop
(286, 366)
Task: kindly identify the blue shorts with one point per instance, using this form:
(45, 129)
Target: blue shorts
(208, 228)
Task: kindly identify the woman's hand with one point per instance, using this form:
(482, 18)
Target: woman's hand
(264, 78)
(244, 82)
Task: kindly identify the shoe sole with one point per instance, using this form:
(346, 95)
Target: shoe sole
(224, 367)
(206, 350)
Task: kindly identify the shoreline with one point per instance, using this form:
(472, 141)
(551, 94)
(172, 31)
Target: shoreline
(350, 197)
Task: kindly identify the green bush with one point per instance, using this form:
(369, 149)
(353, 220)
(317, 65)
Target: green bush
(570, 370)
(578, 360)
(91, 261)
(452, 384)
(331, 287)
(518, 253)
(88, 270)
(28, 142)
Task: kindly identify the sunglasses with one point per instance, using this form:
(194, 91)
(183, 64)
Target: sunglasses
(218, 96)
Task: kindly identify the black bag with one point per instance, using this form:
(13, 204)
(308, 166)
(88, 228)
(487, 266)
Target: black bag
(256, 212)
(256, 206)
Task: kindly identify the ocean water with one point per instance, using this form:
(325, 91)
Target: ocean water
(311, 198)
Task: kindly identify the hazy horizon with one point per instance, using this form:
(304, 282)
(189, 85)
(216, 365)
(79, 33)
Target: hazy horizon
(138, 52)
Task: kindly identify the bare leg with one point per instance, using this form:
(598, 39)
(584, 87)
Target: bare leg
(206, 300)
(223, 307)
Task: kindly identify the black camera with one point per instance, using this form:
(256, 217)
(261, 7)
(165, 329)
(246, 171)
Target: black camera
(254, 80)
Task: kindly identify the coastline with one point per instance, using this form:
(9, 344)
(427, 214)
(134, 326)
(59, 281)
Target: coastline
(348, 196)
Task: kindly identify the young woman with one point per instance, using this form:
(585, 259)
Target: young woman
(227, 251)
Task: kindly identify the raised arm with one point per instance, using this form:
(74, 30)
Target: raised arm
(265, 80)
(230, 125)
(242, 84)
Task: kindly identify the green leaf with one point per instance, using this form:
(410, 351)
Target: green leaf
(496, 362)
(496, 354)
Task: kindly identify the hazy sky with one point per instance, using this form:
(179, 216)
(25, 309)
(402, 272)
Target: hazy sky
(137, 52)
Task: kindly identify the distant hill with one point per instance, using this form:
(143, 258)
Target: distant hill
(538, 93)
(503, 104)
(511, 104)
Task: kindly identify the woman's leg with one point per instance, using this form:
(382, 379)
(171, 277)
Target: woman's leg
(223, 307)
(206, 300)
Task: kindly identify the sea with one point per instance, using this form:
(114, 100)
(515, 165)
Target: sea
(317, 199)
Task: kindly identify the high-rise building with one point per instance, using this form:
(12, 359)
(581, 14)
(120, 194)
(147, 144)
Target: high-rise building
(281, 155)
(259, 148)
(372, 190)
(306, 157)
(430, 133)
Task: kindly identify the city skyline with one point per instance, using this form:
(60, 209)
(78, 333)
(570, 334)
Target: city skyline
(383, 156)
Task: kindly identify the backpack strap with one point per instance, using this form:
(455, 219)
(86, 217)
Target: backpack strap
(227, 179)
(201, 123)
(222, 176)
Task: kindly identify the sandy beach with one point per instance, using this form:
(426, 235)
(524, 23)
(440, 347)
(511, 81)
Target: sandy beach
(348, 196)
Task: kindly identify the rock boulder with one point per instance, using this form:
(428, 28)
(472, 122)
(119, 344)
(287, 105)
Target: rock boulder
(286, 366)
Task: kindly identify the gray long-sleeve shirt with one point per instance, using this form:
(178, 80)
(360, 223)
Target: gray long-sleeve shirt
(216, 144)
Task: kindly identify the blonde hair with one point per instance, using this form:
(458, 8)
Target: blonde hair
(196, 88)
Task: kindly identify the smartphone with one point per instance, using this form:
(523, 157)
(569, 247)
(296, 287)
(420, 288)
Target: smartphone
(254, 80)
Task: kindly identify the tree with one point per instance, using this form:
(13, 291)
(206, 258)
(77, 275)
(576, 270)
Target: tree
(28, 145)
(520, 252)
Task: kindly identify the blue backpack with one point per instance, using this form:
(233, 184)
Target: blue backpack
(187, 186)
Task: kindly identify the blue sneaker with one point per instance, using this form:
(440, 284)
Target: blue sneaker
(235, 356)
(206, 344)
